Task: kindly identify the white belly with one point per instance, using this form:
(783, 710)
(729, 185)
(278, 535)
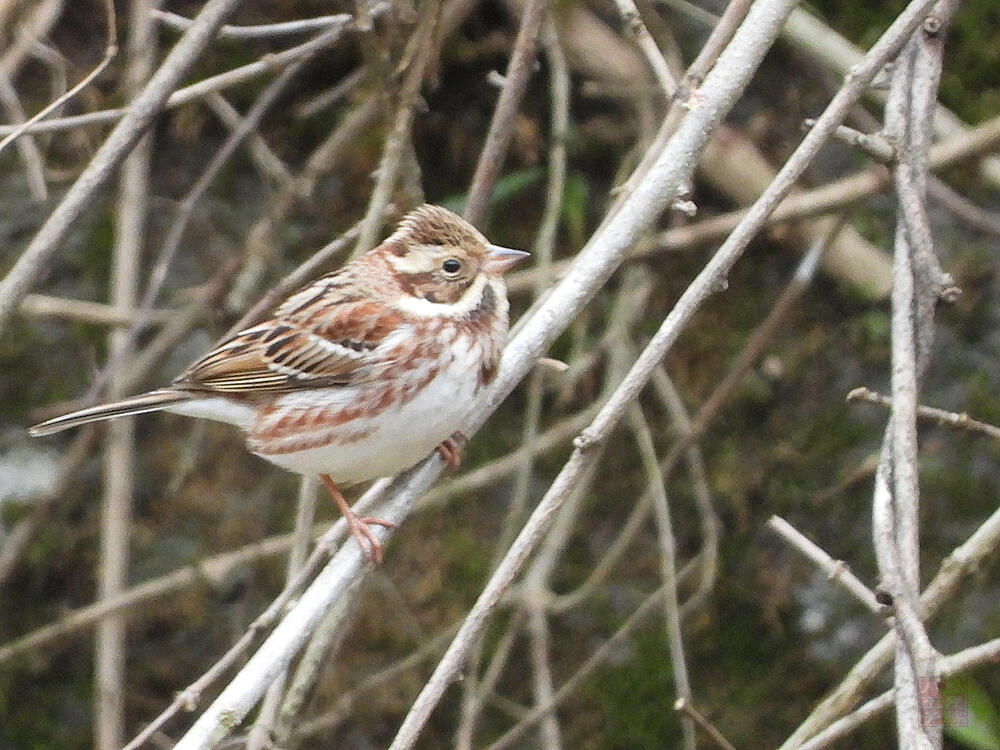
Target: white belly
(398, 437)
(217, 409)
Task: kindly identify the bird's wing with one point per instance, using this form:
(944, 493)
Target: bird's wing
(327, 334)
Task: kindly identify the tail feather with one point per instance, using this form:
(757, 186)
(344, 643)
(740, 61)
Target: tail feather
(144, 402)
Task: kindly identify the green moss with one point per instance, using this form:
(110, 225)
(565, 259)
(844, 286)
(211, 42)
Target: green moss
(467, 567)
(45, 709)
(633, 700)
(970, 83)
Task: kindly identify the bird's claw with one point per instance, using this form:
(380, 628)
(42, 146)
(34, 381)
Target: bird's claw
(450, 449)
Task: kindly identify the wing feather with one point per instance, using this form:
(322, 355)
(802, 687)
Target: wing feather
(326, 334)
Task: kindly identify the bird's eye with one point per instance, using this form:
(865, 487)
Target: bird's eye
(451, 266)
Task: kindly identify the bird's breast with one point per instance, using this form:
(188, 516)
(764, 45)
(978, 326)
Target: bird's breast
(421, 393)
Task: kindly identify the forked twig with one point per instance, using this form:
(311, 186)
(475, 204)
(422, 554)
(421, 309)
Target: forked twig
(110, 50)
(684, 707)
(119, 142)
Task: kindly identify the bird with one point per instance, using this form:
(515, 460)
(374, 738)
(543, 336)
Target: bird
(361, 373)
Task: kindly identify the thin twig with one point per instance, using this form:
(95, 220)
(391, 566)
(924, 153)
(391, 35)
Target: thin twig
(267, 161)
(28, 149)
(421, 52)
(115, 148)
(668, 562)
(491, 157)
(708, 519)
(484, 685)
(261, 31)
(541, 670)
(685, 708)
(722, 33)
(110, 50)
(958, 420)
(86, 311)
(204, 87)
(600, 654)
(948, 666)
(964, 559)
(874, 145)
(119, 450)
(836, 570)
(633, 22)
(962, 208)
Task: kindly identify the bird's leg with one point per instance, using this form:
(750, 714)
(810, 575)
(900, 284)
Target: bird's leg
(450, 449)
(357, 524)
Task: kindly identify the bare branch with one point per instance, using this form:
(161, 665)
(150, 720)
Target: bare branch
(202, 88)
(958, 420)
(633, 22)
(668, 563)
(118, 144)
(947, 667)
(836, 570)
(110, 51)
(917, 285)
(119, 449)
(421, 51)
(684, 707)
(964, 559)
(522, 60)
(86, 311)
(261, 31)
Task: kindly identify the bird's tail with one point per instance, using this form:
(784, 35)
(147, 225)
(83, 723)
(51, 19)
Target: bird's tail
(144, 402)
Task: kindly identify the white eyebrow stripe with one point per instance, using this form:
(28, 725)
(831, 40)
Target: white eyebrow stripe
(416, 261)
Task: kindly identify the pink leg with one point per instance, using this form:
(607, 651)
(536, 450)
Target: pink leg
(357, 524)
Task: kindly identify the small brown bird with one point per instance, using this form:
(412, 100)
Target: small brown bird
(363, 372)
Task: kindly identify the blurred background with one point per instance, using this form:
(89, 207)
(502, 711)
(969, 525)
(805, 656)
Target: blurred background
(766, 635)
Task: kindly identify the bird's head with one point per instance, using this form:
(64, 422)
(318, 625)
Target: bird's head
(438, 256)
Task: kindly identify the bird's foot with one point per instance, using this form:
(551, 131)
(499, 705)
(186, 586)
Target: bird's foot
(359, 526)
(450, 449)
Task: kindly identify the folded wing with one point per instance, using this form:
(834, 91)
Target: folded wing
(327, 334)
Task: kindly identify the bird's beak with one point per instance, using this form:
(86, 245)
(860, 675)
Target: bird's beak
(501, 259)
